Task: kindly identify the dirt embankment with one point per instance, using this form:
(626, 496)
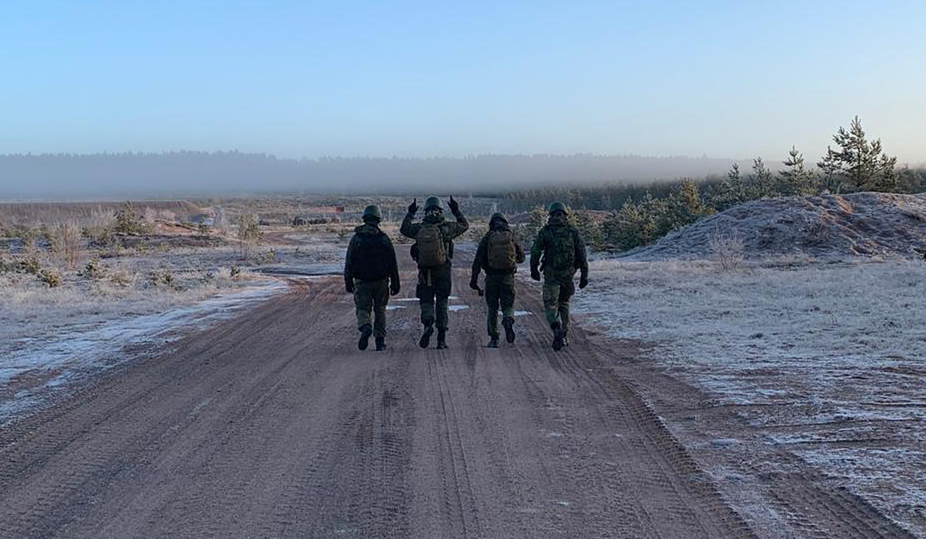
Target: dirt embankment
(831, 226)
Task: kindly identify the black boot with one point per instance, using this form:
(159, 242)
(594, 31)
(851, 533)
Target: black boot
(557, 336)
(365, 333)
(493, 342)
(509, 329)
(426, 336)
(441, 339)
(380, 344)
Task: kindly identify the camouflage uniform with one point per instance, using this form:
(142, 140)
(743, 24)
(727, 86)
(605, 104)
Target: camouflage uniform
(434, 284)
(371, 293)
(499, 284)
(563, 252)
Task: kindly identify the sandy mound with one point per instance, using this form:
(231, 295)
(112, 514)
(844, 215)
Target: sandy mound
(860, 224)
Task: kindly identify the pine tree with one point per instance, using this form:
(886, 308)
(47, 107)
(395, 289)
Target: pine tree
(761, 183)
(795, 179)
(858, 165)
(732, 189)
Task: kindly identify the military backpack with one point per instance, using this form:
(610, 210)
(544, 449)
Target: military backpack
(371, 260)
(432, 250)
(561, 249)
(501, 253)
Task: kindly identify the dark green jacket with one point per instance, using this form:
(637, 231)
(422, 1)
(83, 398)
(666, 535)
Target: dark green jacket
(552, 243)
(366, 230)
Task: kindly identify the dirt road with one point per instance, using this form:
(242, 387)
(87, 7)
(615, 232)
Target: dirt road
(275, 425)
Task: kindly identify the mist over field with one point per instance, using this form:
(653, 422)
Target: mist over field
(204, 173)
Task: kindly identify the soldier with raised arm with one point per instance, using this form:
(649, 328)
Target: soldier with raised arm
(433, 251)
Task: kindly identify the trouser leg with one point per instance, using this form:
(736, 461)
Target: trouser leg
(551, 300)
(567, 289)
(506, 297)
(380, 300)
(492, 303)
(441, 306)
(363, 303)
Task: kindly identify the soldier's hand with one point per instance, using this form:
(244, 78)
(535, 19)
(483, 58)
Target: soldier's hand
(583, 281)
(535, 274)
(395, 288)
(413, 207)
(474, 283)
(349, 286)
(454, 206)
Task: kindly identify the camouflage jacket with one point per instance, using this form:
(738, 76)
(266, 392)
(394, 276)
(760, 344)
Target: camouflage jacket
(559, 249)
(449, 230)
(388, 268)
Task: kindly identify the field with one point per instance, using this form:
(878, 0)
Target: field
(710, 389)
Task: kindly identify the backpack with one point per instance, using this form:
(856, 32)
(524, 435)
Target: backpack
(501, 253)
(371, 260)
(432, 251)
(561, 250)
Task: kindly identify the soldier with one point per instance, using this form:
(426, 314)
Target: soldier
(562, 252)
(499, 254)
(433, 250)
(371, 274)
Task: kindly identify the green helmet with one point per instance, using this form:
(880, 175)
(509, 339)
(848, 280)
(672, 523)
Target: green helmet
(498, 216)
(432, 202)
(558, 206)
(372, 211)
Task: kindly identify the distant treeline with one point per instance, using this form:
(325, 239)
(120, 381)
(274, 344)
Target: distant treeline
(187, 174)
(641, 214)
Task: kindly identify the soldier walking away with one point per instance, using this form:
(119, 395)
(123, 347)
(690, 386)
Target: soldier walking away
(498, 254)
(433, 251)
(371, 274)
(558, 252)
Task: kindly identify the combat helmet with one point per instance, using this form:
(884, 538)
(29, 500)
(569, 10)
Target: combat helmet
(558, 206)
(433, 203)
(372, 212)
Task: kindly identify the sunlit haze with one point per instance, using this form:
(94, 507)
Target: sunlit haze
(297, 79)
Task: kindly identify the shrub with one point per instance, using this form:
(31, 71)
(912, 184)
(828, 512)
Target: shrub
(162, 278)
(95, 269)
(234, 271)
(128, 222)
(67, 244)
(727, 251)
(50, 277)
(30, 265)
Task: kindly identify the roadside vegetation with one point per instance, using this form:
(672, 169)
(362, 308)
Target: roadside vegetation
(622, 217)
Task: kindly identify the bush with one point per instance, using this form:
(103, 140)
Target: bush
(67, 244)
(727, 251)
(95, 269)
(162, 278)
(50, 277)
(128, 222)
(30, 265)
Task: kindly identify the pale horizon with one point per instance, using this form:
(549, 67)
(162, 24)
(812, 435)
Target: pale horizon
(721, 79)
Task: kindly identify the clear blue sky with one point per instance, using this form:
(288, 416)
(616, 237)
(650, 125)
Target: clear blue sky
(724, 78)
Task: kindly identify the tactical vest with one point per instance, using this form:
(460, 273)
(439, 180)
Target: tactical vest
(561, 248)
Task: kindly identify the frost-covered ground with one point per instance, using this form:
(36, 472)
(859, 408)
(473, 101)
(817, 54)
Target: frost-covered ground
(828, 360)
(53, 339)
